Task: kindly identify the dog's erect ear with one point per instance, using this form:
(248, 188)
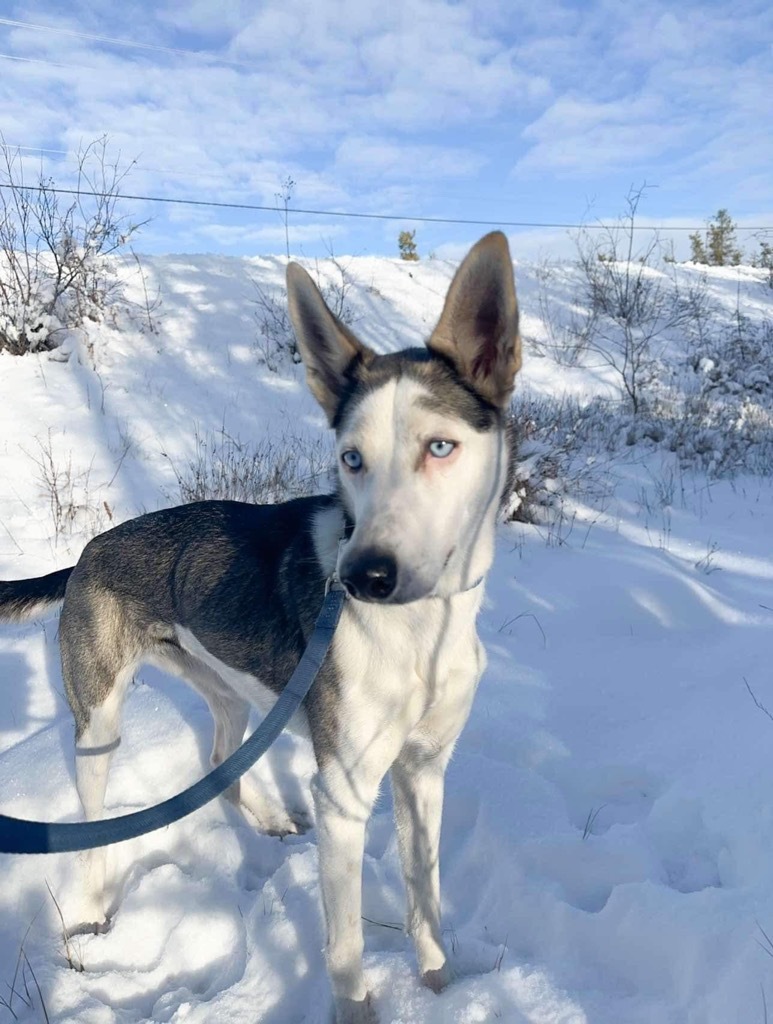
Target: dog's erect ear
(327, 346)
(478, 328)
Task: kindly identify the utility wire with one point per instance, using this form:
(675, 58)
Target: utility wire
(212, 176)
(39, 60)
(196, 173)
(34, 149)
(111, 40)
(364, 216)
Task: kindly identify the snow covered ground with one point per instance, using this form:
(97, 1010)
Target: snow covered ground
(608, 829)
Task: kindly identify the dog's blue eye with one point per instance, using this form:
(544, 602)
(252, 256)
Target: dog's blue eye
(441, 449)
(352, 459)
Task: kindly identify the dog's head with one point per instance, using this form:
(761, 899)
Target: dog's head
(420, 433)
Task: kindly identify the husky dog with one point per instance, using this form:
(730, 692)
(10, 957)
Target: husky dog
(225, 595)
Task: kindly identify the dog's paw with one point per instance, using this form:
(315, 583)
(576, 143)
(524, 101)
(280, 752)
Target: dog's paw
(438, 979)
(355, 1011)
(301, 820)
(90, 927)
(287, 823)
(272, 818)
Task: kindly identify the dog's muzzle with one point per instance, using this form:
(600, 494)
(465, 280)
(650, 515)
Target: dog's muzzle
(370, 576)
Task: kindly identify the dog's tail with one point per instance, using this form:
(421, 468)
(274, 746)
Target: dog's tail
(21, 600)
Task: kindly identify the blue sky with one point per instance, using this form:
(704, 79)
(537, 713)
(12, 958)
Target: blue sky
(490, 110)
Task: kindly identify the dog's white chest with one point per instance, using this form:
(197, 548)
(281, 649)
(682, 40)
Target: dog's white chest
(405, 659)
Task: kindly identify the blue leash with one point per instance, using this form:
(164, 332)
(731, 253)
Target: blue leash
(20, 836)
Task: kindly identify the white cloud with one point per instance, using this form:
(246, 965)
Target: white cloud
(577, 136)
(230, 235)
(668, 96)
(367, 157)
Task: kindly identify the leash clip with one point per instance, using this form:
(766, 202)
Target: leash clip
(333, 583)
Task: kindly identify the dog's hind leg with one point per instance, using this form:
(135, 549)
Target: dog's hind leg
(231, 715)
(100, 648)
(95, 744)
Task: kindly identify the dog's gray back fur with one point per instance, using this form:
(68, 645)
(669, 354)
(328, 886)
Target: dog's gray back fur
(244, 579)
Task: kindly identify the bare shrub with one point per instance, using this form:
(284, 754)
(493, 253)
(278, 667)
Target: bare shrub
(146, 313)
(632, 305)
(275, 338)
(73, 505)
(562, 449)
(22, 995)
(707, 407)
(53, 274)
(712, 411)
(699, 312)
(567, 337)
(70, 944)
(264, 472)
(337, 290)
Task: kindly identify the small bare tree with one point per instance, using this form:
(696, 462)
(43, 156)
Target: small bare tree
(631, 304)
(284, 197)
(52, 246)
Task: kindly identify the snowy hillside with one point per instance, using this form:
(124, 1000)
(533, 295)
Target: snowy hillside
(606, 853)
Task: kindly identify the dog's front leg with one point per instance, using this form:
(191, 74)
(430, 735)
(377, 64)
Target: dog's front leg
(417, 785)
(418, 780)
(342, 805)
(345, 790)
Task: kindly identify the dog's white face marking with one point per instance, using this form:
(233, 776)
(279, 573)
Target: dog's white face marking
(421, 472)
(422, 487)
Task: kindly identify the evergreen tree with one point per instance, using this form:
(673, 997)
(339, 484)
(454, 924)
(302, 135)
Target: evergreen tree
(721, 242)
(407, 245)
(719, 247)
(764, 259)
(697, 249)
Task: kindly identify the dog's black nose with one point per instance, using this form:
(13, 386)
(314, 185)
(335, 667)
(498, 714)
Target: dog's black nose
(371, 576)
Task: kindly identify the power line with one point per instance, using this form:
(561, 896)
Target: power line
(34, 149)
(177, 51)
(213, 176)
(39, 60)
(196, 173)
(365, 216)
